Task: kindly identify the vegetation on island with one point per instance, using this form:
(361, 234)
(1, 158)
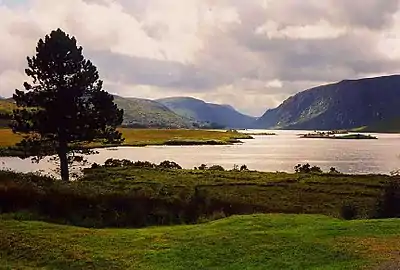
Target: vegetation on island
(332, 135)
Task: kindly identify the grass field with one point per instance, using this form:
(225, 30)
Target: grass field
(139, 197)
(266, 192)
(240, 242)
(143, 137)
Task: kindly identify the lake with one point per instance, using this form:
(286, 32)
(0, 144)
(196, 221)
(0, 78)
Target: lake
(265, 153)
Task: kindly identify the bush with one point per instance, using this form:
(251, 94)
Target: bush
(111, 162)
(306, 168)
(243, 168)
(216, 168)
(333, 170)
(203, 167)
(144, 164)
(348, 212)
(169, 165)
(389, 205)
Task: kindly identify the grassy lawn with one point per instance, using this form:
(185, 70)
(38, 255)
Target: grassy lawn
(240, 242)
(142, 137)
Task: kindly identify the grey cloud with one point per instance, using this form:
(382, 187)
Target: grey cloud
(234, 56)
(145, 71)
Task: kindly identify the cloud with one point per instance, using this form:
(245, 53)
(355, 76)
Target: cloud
(249, 53)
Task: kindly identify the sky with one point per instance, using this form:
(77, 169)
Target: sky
(251, 54)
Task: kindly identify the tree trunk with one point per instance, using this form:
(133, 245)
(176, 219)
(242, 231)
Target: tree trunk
(62, 154)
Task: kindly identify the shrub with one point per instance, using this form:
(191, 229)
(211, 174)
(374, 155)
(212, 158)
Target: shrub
(243, 168)
(203, 167)
(169, 165)
(216, 168)
(144, 164)
(389, 204)
(111, 162)
(348, 212)
(333, 170)
(306, 168)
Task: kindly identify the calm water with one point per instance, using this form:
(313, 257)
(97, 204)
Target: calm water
(264, 153)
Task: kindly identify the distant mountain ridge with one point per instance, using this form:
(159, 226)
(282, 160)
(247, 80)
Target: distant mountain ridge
(199, 110)
(343, 105)
(148, 113)
(145, 113)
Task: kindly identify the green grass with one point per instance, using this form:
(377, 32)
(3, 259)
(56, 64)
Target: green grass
(268, 192)
(143, 137)
(238, 242)
(127, 196)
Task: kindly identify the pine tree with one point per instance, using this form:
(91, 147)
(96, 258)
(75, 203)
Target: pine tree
(64, 105)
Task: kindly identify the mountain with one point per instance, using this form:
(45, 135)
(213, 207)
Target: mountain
(148, 113)
(343, 105)
(198, 110)
(391, 125)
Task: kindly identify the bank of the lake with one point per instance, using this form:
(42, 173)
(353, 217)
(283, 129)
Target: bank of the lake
(142, 137)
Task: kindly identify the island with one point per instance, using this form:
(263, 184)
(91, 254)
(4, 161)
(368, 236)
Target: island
(332, 135)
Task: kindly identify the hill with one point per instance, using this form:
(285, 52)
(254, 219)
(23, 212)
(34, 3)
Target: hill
(198, 110)
(385, 126)
(239, 242)
(147, 113)
(137, 113)
(344, 105)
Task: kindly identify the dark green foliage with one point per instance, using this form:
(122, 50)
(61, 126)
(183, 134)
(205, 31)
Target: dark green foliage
(348, 212)
(169, 165)
(306, 168)
(216, 168)
(243, 168)
(65, 103)
(333, 170)
(344, 105)
(111, 162)
(203, 167)
(389, 204)
(139, 164)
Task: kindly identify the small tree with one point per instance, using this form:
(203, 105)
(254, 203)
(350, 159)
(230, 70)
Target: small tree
(64, 105)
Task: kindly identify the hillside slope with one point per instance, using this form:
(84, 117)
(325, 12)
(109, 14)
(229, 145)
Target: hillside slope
(147, 113)
(344, 105)
(239, 242)
(224, 115)
(137, 113)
